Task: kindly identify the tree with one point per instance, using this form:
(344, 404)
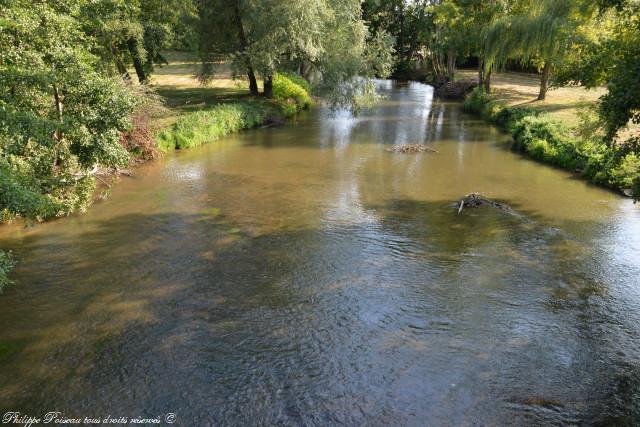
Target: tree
(265, 36)
(133, 32)
(542, 33)
(408, 21)
(450, 38)
(59, 117)
(222, 32)
(611, 58)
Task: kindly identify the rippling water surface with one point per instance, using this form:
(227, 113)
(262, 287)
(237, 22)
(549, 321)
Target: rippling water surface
(304, 276)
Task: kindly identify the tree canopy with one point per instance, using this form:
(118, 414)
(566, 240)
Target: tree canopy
(59, 116)
(323, 40)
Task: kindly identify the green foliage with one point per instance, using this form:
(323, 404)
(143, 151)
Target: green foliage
(297, 79)
(6, 264)
(406, 26)
(627, 173)
(59, 117)
(284, 89)
(133, 32)
(201, 127)
(610, 58)
(326, 39)
(548, 140)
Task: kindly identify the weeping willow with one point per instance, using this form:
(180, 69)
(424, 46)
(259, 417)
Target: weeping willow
(542, 35)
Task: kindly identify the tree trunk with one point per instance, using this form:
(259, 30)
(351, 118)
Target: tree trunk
(57, 134)
(58, 102)
(132, 44)
(451, 64)
(305, 70)
(544, 80)
(401, 37)
(487, 81)
(268, 86)
(480, 70)
(253, 83)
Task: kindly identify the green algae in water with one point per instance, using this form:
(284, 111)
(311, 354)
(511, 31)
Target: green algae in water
(210, 213)
(9, 349)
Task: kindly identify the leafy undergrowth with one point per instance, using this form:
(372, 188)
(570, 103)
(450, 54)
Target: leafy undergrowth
(548, 140)
(6, 264)
(194, 128)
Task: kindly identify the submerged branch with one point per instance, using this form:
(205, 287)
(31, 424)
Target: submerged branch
(410, 148)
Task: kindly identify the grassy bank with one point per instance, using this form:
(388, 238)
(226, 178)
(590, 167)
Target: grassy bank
(521, 90)
(548, 139)
(199, 113)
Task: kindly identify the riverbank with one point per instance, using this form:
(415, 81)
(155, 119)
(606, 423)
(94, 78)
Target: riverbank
(558, 131)
(200, 113)
(192, 114)
(305, 248)
(516, 89)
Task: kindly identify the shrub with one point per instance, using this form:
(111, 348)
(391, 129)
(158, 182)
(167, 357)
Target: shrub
(284, 89)
(299, 80)
(626, 174)
(476, 101)
(6, 264)
(200, 127)
(195, 128)
(139, 139)
(549, 141)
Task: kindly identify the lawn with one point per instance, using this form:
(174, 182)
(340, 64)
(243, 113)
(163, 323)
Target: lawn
(178, 84)
(521, 89)
(199, 113)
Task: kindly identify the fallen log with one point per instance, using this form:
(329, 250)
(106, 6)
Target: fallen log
(455, 90)
(476, 200)
(410, 148)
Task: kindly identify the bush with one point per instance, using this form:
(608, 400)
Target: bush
(139, 139)
(6, 264)
(549, 141)
(299, 80)
(626, 174)
(284, 89)
(199, 127)
(476, 101)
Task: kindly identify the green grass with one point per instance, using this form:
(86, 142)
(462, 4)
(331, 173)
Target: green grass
(9, 349)
(521, 90)
(545, 138)
(195, 128)
(199, 114)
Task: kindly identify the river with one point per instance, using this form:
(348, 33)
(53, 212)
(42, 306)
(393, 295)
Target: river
(303, 275)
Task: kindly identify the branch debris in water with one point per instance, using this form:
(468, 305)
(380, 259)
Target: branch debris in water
(410, 149)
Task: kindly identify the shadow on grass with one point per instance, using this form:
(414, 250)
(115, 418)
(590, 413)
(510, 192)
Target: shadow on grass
(188, 97)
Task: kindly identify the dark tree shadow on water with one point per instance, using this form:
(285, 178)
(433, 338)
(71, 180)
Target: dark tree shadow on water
(143, 315)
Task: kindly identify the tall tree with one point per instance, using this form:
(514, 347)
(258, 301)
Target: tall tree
(133, 32)
(542, 33)
(610, 57)
(59, 117)
(265, 36)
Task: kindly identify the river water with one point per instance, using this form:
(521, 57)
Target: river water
(304, 276)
